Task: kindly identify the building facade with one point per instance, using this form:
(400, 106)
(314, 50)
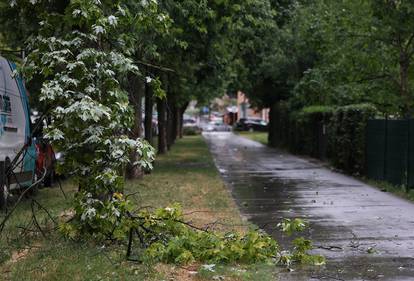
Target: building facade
(246, 111)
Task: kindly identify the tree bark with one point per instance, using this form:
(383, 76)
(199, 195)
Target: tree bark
(177, 122)
(180, 120)
(404, 85)
(149, 104)
(170, 123)
(271, 126)
(174, 121)
(162, 126)
(136, 90)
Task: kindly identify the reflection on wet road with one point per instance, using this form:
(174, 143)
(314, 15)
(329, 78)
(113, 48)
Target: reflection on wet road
(364, 233)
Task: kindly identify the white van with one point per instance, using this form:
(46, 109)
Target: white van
(17, 152)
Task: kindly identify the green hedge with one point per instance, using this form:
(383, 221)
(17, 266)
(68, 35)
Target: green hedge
(347, 136)
(308, 125)
(323, 131)
(191, 131)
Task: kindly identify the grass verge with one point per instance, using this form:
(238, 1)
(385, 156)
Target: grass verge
(186, 175)
(400, 191)
(255, 136)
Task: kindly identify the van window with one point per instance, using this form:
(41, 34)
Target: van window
(5, 104)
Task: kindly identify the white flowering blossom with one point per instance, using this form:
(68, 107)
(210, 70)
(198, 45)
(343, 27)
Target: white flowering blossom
(161, 17)
(88, 110)
(54, 135)
(112, 20)
(51, 90)
(98, 29)
(121, 10)
(89, 213)
(78, 12)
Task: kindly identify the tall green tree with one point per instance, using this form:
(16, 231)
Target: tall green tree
(79, 56)
(393, 26)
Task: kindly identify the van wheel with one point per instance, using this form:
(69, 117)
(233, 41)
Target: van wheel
(4, 194)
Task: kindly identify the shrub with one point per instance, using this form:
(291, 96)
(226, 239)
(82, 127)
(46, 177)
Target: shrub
(191, 131)
(319, 131)
(310, 130)
(279, 129)
(347, 136)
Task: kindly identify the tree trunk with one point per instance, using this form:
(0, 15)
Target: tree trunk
(271, 130)
(404, 85)
(149, 104)
(177, 122)
(181, 125)
(136, 90)
(181, 111)
(170, 123)
(174, 122)
(162, 126)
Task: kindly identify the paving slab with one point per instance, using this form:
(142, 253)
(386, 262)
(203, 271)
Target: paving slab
(364, 233)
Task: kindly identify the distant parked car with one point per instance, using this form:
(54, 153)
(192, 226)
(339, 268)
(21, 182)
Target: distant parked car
(251, 124)
(216, 126)
(190, 126)
(189, 122)
(209, 127)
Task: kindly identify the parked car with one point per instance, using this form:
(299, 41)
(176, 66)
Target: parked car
(17, 149)
(191, 126)
(189, 122)
(46, 162)
(251, 124)
(216, 126)
(46, 159)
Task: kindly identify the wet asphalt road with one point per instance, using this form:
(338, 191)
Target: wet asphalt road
(364, 233)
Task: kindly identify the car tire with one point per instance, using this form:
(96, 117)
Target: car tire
(4, 184)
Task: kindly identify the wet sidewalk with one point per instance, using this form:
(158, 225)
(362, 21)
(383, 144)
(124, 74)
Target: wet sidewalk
(364, 233)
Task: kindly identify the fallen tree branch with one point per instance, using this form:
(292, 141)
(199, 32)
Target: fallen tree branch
(8, 215)
(35, 220)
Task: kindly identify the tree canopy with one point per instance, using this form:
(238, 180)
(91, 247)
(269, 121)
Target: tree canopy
(337, 53)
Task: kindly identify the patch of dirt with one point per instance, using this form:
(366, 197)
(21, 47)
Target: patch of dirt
(18, 255)
(175, 273)
(66, 215)
(185, 273)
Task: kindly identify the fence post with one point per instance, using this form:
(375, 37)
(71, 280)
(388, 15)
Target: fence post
(384, 174)
(408, 156)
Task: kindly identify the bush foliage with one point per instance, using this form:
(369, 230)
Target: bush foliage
(324, 132)
(164, 236)
(347, 136)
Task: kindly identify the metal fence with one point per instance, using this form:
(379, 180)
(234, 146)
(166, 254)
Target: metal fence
(390, 151)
